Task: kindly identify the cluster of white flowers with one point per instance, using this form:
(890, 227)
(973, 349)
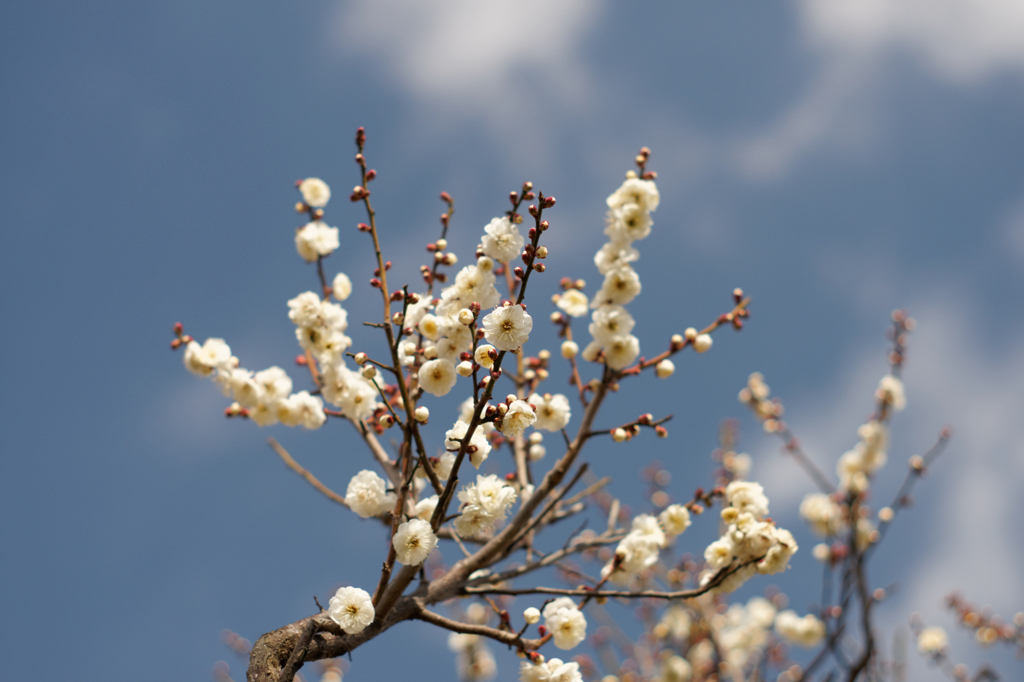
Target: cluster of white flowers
(479, 447)
(823, 514)
(751, 543)
(265, 396)
(856, 466)
(629, 219)
(552, 670)
(806, 631)
(352, 609)
(742, 631)
(473, 659)
(484, 504)
(639, 549)
(565, 622)
(367, 495)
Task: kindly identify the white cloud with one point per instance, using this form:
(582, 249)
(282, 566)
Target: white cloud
(959, 40)
(470, 58)
(831, 110)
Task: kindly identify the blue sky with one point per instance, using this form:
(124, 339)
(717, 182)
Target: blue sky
(835, 159)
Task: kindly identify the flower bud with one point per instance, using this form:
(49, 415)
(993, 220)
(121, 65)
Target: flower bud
(664, 369)
(540, 267)
(485, 263)
(702, 343)
(422, 414)
(537, 452)
(386, 421)
(361, 359)
(430, 352)
(542, 252)
(369, 372)
(464, 368)
(531, 615)
(619, 435)
(398, 318)
(466, 317)
(483, 355)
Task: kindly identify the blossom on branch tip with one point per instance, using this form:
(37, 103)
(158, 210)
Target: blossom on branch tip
(502, 240)
(315, 192)
(643, 193)
(508, 327)
(203, 360)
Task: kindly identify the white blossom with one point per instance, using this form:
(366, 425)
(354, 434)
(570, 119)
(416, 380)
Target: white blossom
(890, 389)
(806, 631)
(316, 239)
(367, 495)
(621, 351)
(551, 670)
(675, 519)
(302, 409)
(615, 254)
(932, 640)
(413, 541)
(274, 382)
(643, 193)
(351, 608)
(824, 515)
(424, 509)
(519, 416)
(553, 411)
(304, 309)
(479, 443)
(203, 360)
(628, 223)
(573, 302)
(341, 286)
(747, 496)
(437, 377)
(621, 285)
(315, 192)
(569, 349)
(565, 622)
(702, 343)
(491, 494)
(507, 327)
(482, 355)
(610, 321)
(502, 240)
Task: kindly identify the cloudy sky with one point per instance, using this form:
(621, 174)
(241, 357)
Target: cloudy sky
(836, 159)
